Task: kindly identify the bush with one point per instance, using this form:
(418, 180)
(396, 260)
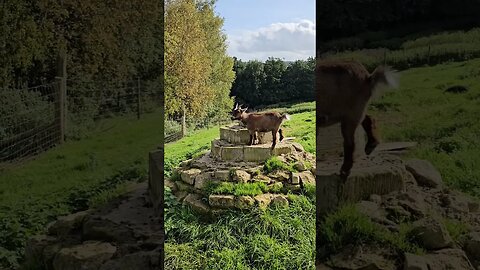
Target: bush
(22, 110)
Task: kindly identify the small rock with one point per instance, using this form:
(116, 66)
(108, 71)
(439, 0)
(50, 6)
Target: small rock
(184, 187)
(307, 177)
(188, 176)
(63, 225)
(424, 172)
(299, 166)
(106, 230)
(472, 246)
(221, 201)
(280, 175)
(90, 255)
(448, 259)
(262, 178)
(202, 179)
(196, 203)
(241, 176)
(35, 248)
(186, 163)
(263, 200)
(244, 202)
(275, 186)
(180, 195)
(295, 178)
(431, 234)
(222, 175)
(172, 185)
(279, 200)
(298, 147)
(415, 262)
(373, 211)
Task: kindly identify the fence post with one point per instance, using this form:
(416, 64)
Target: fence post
(138, 98)
(61, 87)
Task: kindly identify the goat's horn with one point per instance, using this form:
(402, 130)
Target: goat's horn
(236, 106)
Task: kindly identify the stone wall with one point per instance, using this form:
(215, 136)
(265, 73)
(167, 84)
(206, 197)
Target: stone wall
(231, 161)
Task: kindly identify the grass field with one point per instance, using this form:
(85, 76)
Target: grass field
(278, 238)
(72, 177)
(445, 125)
(434, 49)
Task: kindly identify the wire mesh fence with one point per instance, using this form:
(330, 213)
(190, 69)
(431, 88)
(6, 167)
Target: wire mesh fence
(31, 119)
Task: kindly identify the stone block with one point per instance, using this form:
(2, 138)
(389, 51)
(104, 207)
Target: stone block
(189, 176)
(196, 203)
(244, 202)
(222, 175)
(221, 201)
(90, 255)
(202, 179)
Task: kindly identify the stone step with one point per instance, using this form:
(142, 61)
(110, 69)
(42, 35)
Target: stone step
(379, 174)
(224, 151)
(330, 142)
(240, 135)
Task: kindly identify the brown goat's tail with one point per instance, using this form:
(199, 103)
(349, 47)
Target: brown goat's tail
(286, 117)
(384, 75)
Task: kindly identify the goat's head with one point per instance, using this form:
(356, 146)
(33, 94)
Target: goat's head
(237, 112)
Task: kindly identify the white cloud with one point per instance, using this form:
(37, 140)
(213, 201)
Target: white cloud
(291, 41)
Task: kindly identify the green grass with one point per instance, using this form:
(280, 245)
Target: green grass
(445, 125)
(347, 226)
(434, 49)
(274, 164)
(237, 189)
(275, 238)
(71, 177)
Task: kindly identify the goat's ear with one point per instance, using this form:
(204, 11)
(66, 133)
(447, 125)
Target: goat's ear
(245, 109)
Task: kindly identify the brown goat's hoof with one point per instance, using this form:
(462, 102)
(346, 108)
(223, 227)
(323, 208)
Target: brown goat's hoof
(344, 175)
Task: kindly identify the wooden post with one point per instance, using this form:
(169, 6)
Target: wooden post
(184, 121)
(138, 98)
(61, 83)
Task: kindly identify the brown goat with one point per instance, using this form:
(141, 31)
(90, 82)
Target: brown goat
(260, 122)
(344, 90)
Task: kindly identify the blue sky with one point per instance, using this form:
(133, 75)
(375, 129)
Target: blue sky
(257, 29)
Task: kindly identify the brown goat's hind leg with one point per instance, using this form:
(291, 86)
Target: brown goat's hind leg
(348, 133)
(369, 125)
(274, 139)
(281, 134)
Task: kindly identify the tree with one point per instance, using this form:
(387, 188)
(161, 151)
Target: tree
(187, 62)
(222, 75)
